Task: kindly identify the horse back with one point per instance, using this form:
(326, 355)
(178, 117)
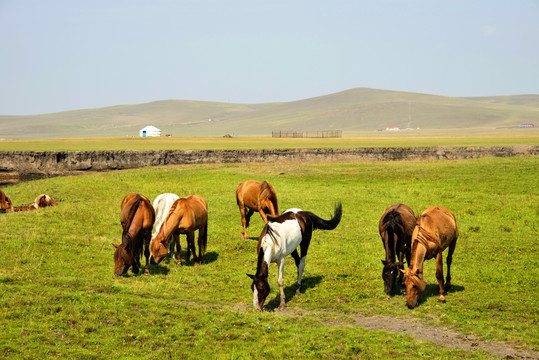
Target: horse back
(137, 213)
(191, 212)
(438, 225)
(400, 214)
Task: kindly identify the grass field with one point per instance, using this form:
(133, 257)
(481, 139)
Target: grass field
(59, 298)
(166, 143)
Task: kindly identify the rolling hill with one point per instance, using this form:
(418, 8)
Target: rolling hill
(352, 111)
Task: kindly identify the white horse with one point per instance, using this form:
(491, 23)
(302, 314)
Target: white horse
(280, 237)
(162, 205)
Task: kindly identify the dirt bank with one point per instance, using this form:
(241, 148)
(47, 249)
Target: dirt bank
(52, 163)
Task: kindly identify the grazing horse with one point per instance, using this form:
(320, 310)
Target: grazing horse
(281, 236)
(186, 215)
(395, 227)
(137, 218)
(5, 203)
(435, 230)
(253, 196)
(162, 205)
(41, 201)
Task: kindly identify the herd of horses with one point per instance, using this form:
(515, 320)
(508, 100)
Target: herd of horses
(403, 236)
(6, 206)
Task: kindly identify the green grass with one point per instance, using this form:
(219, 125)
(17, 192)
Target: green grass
(59, 298)
(171, 143)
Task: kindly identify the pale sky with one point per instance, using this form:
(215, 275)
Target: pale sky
(58, 55)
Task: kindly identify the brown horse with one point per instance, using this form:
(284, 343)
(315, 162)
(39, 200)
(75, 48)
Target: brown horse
(253, 196)
(186, 215)
(41, 201)
(395, 227)
(435, 230)
(137, 218)
(5, 203)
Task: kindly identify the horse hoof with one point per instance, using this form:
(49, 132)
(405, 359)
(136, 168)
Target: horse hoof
(441, 301)
(298, 292)
(404, 293)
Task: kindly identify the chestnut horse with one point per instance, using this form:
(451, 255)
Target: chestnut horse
(137, 218)
(186, 215)
(254, 196)
(162, 205)
(435, 230)
(395, 227)
(281, 236)
(5, 203)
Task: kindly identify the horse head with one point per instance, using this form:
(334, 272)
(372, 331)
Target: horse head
(415, 285)
(158, 250)
(5, 203)
(261, 290)
(389, 274)
(123, 260)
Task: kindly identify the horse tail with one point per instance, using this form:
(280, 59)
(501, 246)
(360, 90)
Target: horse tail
(204, 238)
(319, 223)
(268, 192)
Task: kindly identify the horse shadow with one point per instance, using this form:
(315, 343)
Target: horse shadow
(290, 291)
(432, 290)
(208, 258)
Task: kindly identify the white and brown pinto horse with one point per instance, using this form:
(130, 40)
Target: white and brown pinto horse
(41, 201)
(395, 227)
(162, 205)
(435, 230)
(5, 203)
(254, 196)
(186, 216)
(280, 237)
(137, 218)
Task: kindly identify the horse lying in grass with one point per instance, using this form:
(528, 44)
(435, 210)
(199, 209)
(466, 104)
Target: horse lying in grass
(5, 203)
(162, 205)
(254, 196)
(41, 201)
(395, 227)
(435, 230)
(281, 236)
(186, 216)
(137, 218)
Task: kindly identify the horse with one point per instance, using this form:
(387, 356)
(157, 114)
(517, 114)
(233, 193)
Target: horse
(280, 237)
(41, 201)
(186, 216)
(254, 196)
(162, 205)
(137, 217)
(5, 203)
(435, 230)
(395, 227)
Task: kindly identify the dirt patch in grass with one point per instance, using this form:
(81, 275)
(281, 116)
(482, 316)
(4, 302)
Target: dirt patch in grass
(423, 332)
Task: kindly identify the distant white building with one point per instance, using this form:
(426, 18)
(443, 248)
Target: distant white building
(150, 131)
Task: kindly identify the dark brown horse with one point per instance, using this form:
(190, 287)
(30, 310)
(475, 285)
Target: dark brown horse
(435, 230)
(395, 227)
(254, 196)
(137, 218)
(186, 215)
(5, 203)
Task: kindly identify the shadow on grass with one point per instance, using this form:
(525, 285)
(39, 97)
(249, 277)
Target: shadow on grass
(432, 290)
(290, 291)
(208, 258)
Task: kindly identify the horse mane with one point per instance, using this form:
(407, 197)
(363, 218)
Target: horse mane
(261, 267)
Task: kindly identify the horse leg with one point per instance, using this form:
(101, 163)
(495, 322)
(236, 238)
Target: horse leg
(449, 260)
(191, 245)
(300, 264)
(440, 276)
(244, 222)
(147, 238)
(280, 281)
(176, 240)
(401, 274)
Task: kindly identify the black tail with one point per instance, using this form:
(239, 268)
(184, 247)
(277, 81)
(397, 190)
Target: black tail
(319, 223)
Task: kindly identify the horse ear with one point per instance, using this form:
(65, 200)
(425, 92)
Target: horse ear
(402, 271)
(116, 246)
(251, 276)
(399, 263)
(383, 262)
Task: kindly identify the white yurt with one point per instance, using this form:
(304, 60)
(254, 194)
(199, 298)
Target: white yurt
(150, 131)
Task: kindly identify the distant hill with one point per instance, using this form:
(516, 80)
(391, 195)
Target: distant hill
(352, 111)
